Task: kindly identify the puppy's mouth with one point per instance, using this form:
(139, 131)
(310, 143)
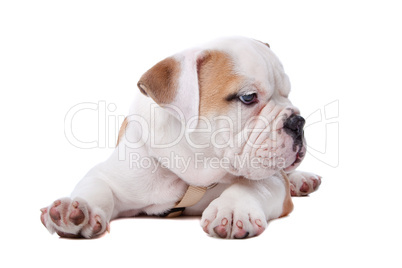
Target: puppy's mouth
(298, 159)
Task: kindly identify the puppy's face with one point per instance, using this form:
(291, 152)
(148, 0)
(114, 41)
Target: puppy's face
(233, 95)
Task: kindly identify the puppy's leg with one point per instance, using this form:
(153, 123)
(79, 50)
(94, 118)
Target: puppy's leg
(85, 214)
(303, 183)
(244, 208)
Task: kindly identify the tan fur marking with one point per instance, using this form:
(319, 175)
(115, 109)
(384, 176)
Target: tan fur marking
(287, 203)
(122, 130)
(160, 82)
(217, 80)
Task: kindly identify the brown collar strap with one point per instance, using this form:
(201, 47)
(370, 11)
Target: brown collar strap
(191, 197)
(285, 176)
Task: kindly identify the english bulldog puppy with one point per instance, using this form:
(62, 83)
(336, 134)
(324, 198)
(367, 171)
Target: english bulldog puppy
(214, 118)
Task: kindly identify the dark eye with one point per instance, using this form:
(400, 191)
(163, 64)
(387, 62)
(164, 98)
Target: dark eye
(248, 99)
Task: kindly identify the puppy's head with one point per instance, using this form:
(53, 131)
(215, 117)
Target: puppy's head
(232, 95)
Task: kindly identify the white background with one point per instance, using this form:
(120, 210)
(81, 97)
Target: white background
(54, 55)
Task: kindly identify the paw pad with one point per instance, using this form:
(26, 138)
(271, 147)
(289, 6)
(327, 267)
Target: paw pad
(224, 219)
(77, 216)
(55, 213)
(303, 183)
(73, 219)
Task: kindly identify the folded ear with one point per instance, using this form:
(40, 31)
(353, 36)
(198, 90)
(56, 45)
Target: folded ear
(173, 83)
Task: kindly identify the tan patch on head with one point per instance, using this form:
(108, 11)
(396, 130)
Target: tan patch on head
(122, 130)
(160, 82)
(217, 80)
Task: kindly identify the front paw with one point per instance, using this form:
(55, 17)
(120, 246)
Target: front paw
(303, 183)
(73, 219)
(226, 218)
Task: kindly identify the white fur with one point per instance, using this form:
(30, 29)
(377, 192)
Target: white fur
(121, 187)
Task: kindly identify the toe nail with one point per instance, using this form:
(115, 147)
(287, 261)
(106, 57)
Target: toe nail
(258, 222)
(205, 226)
(75, 204)
(42, 219)
(292, 190)
(224, 221)
(315, 184)
(98, 226)
(239, 224)
(57, 203)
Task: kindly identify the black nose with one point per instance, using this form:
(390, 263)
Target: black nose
(294, 125)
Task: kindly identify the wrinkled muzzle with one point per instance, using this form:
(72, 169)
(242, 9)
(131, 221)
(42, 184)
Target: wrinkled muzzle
(275, 142)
